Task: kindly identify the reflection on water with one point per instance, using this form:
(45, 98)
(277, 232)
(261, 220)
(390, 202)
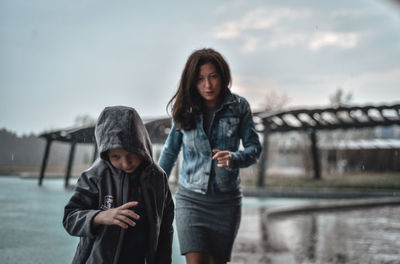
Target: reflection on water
(352, 236)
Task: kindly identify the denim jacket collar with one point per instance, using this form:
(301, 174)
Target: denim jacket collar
(228, 99)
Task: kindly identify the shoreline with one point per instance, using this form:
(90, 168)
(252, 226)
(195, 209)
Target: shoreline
(265, 192)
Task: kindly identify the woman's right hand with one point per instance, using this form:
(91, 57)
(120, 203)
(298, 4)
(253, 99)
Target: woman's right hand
(224, 158)
(117, 216)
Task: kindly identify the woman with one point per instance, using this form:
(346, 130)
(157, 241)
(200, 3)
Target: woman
(208, 122)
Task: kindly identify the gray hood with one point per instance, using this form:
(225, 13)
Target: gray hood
(122, 127)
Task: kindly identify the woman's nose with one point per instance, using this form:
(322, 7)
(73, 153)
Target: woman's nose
(207, 82)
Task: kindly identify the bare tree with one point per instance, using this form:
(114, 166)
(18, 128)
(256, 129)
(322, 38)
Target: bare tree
(274, 101)
(84, 120)
(340, 98)
(337, 99)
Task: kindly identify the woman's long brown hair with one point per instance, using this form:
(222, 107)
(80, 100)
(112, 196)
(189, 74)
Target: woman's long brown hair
(187, 102)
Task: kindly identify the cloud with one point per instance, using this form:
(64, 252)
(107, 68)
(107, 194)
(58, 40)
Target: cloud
(227, 7)
(255, 88)
(251, 44)
(338, 39)
(266, 28)
(354, 13)
(381, 81)
(228, 30)
(287, 40)
(372, 86)
(315, 89)
(257, 19)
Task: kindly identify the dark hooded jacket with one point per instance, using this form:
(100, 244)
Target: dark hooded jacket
(103, 186)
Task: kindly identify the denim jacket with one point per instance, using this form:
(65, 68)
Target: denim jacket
(232, 122)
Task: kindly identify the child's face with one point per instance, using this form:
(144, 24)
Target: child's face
(124, 160)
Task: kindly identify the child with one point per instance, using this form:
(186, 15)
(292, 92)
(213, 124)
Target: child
(122, 208)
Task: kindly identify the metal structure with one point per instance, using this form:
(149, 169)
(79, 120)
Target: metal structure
(309, 121)
(158, 132)
(312, 120)
(74, 136)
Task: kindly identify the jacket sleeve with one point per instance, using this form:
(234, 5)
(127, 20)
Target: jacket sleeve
(82, 208)
(164, 250)
(250, 140)
(170, 150)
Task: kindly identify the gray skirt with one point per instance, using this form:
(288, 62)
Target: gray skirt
(207, 223)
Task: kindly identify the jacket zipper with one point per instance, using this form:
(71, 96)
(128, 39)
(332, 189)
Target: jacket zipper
(122, 231)
(149, 212)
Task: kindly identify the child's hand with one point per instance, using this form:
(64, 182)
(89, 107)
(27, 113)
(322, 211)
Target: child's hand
(224, 158)
(117, 216)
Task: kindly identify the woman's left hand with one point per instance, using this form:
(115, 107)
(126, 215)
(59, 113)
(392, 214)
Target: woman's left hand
(224, 158)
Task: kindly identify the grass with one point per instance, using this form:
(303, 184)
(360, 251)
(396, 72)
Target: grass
(356, 180)
(370, 181)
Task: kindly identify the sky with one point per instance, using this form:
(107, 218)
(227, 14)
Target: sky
(60, 59)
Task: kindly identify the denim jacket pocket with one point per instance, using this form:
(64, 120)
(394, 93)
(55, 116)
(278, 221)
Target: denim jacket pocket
(228, 132)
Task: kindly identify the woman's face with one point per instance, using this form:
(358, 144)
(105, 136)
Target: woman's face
(209, 84)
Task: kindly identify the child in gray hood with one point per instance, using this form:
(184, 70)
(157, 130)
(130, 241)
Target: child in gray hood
(121, 208)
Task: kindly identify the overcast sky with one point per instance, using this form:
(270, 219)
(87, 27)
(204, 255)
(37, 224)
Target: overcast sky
(62, 59)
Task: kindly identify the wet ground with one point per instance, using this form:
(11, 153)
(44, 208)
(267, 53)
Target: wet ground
(31, 230)
(352, 236)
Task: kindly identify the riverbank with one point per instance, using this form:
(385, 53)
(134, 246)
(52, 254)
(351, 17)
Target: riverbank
(362, 181)
(339, 187)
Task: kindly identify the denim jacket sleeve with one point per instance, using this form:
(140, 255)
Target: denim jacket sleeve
(250, 140)
(170, 150)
